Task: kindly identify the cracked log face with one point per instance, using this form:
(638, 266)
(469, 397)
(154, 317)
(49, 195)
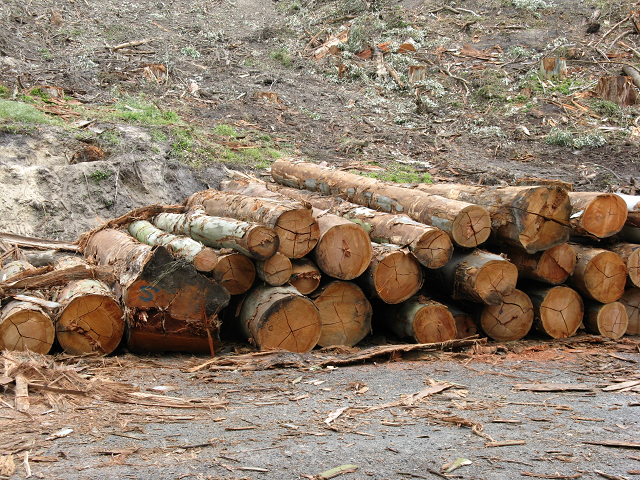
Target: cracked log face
(600, 275)
(509, 321)
(609, 319)
(558, 310)
(275, 271)
(552, 266)
(631, 302)
(298, 233)
(234, 272)
(393, 275)
(280, 317)
(597, 214)
(345, 314)
(25, 326)
(420, 318)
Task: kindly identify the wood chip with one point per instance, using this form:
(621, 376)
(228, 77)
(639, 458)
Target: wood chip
(505, 443)
(614, 443)
(620, 386)
(552, 387)
(609, 476)
(233, 429)
(555, 475)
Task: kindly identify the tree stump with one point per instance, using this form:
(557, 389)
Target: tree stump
(305, 276)
(600, 274)
(618, 89)
(510, 320)
(606, 319)
(558, 311)
(597, 215)
(552, 266)
(422, 319)
(631, 302)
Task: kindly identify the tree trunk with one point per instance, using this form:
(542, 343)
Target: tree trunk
(552, 266)
(253, 240)
(509, 321)
(479, 276)
(597, 215)
(275, 271)
(345, 314)
(235, 272)
(292, 221)
(91, 319)
(630, 254)
(430, 245)
(600, 275)
(393, 275)
(344, 249)
(305, 276)
(633, 209)
(280, 317)
(631, 302)
(468, 225)
(532, 218)
(203, 258)
(26, 326)
(558, 310)
(420, 318)
(606, 319)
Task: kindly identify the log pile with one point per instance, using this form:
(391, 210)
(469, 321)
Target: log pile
(324, 256)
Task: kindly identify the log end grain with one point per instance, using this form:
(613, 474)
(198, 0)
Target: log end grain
(205, 260)
(495, 280)
(631, 302)
(234, 272)
(24, 326)
(262, 242)
(542, 214)
(604, 216)
(433, 249)
(276, 270)
(471, 227)
(609, 320)
(397, 277)
(556, 264)
(434, 323)
(509, 321)
(305, 276)
(298, 233)
(561, 312)
(605, 277)
(465, 325)
(343, 251)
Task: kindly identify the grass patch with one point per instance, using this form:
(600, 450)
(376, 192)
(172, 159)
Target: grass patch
(399, 174)
(23, 113)
(282, 55)
(225, 131)
(140, 110)
(4, 92)
(98, 175)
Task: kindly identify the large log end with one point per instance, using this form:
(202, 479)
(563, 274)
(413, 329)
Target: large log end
(471, 227)
(509, 321)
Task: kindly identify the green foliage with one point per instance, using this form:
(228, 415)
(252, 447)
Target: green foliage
(140, 110)
(109, 138)
(190, 51)
(282, 56)
(98, 175)
(591, 139)
(4, 92)
(158, 135)
(254, 157)
(399, 174)
(561, 138)
(21, 112)
(606, 108)
(45, 54)
(225, 130)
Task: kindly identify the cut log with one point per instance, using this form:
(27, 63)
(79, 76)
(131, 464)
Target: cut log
(618, 89)
(633, 209)
(552, 266)
(393, 274)
(479, 276)
(600, 274)
(345, 313)
(630, 254)
(292, 221)
(234, 271)
(597, 215)
(344, 249)
(203, 258)
(305, 276)
(631, 302)
(91, 319)
(532, 218)
(468, 225)
(466, 325)
(275, 271)
(253, 240)
(606, 319)
(422, 319)
(558, 310)
(280, 317)
(430, 245)
(509, 321)
(26, 326)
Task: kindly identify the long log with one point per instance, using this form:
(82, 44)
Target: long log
(558, 310)
(422, 319)
(393, 275)
(552, 266)
(631, 302)
(600, 274)
(253, 240)
(280, 317)
(531, 218)
(479, 276)
(344, 249)
(468, 225)
(630, 254)
(633, 209)
(509, 321)
(430, 245)
(292, 221)
(345, 313)
(234, 271)
(305, 275)
(203, 258)
(275, 271)
(26, 326)
(606, 319)
(597, 215)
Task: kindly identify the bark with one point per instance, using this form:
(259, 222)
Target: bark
(468, 225)
(631, 302)
(422, 319)
(90, 320)
(552, 266)
(558, 310)
(479, 276)
(203, 258)
(633, 209)
(305, 276)
(253, 240)
(280, 317)
(430, 245)
(275, 271)
(345, 314)
(393, 275)
(234, 271)
(31, 242)
(344, 249)
(532, 218)
(600, 274)
(630, 254)
(292, 221)
(606, 319)
(509, 321)
(26, 326)
(597, 215)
